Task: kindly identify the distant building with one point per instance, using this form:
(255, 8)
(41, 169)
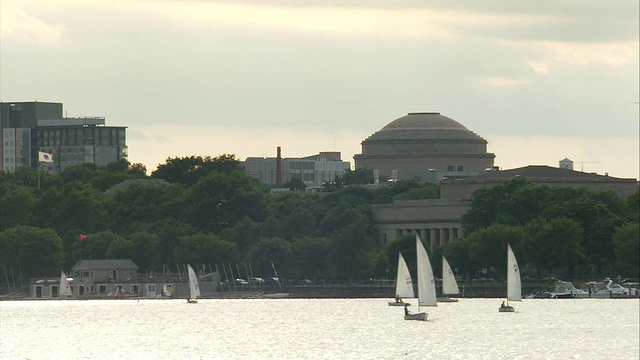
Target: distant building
(463, 189)
(312, 170)
(424, 147)
(438, 221)
(30, 127)
(120, 278)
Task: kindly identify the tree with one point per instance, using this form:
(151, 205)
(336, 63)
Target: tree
(360, 176)
(626, 240)
(496, 205)
(219, 200)
(554, 243)
(354, 249)
(145, 203)
(72, 206)
(203, 248)
(295, 184)
(310, 257)
(269, 249)
(488, 247)
(597, 222)
(189, 170)
(36, 252)
(16, 206)
(457, 254)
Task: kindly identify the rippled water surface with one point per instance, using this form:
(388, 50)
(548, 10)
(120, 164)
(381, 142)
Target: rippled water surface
(317, 329)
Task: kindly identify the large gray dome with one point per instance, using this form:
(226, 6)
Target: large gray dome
(424, 125)
(424, 145)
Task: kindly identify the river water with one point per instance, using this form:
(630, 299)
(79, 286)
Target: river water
(317, 329)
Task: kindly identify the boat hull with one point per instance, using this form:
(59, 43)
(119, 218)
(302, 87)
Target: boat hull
(507, 309)
(418, 316)
(276, 295)
(394, 303)
(447, 299)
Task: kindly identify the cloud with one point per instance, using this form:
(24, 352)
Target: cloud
(17, 26)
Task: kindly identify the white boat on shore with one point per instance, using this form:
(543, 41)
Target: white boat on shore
(566, 290)
(607, 289)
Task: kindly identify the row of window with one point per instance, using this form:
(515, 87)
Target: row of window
(451, 167)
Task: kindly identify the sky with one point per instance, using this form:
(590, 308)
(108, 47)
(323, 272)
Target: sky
(539, 80)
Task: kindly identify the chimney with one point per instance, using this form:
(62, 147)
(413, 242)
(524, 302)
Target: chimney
(279, 168)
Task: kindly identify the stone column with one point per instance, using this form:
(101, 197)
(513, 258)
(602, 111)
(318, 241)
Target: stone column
(433, 238)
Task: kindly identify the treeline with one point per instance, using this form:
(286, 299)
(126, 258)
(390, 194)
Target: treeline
(209, 211)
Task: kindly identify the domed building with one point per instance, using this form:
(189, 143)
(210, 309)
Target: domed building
(426, 147)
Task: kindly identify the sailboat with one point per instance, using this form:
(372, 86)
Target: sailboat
(278, 295)
(514, 287)
(65, 288)
(426, 283)
(404, 285)
(449, 283)
(194, 287)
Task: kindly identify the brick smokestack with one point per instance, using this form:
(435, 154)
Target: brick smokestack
(279, 167)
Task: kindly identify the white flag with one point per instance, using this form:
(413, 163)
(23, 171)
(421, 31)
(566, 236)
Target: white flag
(44, 157)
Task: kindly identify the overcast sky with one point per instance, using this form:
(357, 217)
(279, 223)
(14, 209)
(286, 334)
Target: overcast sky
(539, 80)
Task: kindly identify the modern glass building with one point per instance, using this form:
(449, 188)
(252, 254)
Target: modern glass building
(30, 127)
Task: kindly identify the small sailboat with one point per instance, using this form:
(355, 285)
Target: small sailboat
(194, 287)
(514, 286)
(449, 283)
(65, 287)
(426, 283)
(404, 285)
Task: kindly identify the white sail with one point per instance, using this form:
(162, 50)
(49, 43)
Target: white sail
(194, 288)
(65, 287)
(449, 283)
(404, 285)
(426, 281)
(514, 287)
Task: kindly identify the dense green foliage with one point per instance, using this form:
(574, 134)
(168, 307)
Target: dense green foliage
(551, 228)
(210, 212)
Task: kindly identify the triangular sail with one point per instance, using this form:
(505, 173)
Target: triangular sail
(449, 283)
(275, 273)
(65, 287)
(194, 288)
(404, 285)
(514, 287)
(426, 281)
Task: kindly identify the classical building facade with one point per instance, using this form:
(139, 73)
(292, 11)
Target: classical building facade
(436, 221)
(30, 127)
(425, 147)
(457, 159)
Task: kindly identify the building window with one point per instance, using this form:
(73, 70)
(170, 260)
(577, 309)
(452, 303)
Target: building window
(112, 273)
(102, 289)
(449, 167)
(135, 288)
(92, 274)
(92, 288)
(460, 168)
